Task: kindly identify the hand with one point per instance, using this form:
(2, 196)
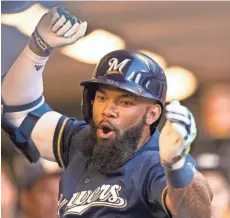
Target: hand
(177, 134)
(58, 28)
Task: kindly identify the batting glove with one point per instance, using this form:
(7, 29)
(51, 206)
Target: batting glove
(58, 28)
(177, 135)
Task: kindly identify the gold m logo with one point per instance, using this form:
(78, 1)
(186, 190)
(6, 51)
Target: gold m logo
(115, 67)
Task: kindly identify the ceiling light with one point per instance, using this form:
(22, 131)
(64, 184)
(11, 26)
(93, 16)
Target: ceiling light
(91, 48)
(181, 83)
(157, 58)
(215, 104)
(25, 21)
(208, 160)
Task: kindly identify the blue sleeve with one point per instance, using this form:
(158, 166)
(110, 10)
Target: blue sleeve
(156, 188)
(67, 139)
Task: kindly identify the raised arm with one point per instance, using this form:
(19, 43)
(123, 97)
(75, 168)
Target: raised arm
(26, 118)
(188, 193)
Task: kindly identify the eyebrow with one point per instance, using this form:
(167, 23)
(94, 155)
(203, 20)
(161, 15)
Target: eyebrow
(125, 95)
(101, 90)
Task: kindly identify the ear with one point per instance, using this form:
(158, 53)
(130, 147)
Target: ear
(153, 113)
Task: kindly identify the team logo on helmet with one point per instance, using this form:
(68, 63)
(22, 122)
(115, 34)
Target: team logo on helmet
(115, 67)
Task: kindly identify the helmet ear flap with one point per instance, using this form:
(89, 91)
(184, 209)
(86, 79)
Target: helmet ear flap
(87, 102)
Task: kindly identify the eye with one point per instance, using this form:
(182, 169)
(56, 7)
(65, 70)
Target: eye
(126, 103)
(100, 98)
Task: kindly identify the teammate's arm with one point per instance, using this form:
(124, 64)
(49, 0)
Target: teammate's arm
(188, 193)
(26, 118)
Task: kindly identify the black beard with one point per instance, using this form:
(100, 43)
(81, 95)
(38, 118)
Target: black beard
(109, 155)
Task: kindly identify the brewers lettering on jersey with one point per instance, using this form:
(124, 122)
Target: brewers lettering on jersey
(115, 161)
(106, 195)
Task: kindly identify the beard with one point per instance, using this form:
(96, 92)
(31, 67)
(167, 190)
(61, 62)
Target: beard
(108, 155)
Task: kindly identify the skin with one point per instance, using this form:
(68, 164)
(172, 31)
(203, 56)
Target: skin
(124, 110)
(193, 201)
(221, 200)
(9, 195)
(41, 199)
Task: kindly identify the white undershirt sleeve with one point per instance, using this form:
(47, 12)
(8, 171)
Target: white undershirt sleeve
(23, 83)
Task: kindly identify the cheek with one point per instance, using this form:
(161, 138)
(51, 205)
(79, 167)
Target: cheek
(131, 117)
(95, 112)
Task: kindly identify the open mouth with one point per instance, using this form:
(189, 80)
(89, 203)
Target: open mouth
(105, 130)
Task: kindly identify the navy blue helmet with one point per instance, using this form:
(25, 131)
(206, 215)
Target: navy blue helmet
(128, 70)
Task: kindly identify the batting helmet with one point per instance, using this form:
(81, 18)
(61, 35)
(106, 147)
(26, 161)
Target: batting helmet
(127, 70)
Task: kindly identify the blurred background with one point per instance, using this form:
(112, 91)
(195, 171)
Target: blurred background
(190, 40)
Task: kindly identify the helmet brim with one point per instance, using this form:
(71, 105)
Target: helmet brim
(123, 85)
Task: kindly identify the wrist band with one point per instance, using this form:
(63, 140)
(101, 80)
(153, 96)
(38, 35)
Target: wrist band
(40, 43)
(179, 178)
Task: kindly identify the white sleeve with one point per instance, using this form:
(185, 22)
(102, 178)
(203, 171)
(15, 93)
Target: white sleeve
(23, 82)
(43, 134)
(22, 85)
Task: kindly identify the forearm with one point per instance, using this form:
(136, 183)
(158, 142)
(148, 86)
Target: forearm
(192, 201)
(23, 83)
(28, 121)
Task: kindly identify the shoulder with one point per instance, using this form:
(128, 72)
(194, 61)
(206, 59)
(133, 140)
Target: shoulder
(75, 125)
(68, 139)
(70, 127)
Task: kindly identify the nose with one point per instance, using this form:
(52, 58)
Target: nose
(110, 110)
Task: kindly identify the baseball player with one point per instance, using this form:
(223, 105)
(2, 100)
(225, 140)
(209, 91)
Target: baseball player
(116, 162)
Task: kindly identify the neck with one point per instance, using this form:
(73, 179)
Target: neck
(145, 137)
